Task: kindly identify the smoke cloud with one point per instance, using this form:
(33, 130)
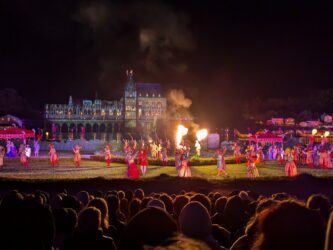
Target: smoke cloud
(148, 36)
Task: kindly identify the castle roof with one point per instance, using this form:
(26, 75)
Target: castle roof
(149, 88)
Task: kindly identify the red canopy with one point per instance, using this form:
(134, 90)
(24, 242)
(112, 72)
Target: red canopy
(266, 137)
(16, 133)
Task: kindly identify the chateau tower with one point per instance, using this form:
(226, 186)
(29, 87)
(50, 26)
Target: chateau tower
(130, 101)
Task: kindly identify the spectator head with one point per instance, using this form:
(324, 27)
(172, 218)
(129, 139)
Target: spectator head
(320, 202)
(167, 200)
(129, 195)
(134, 207)
(145, 201)
(156, 203)
(220, 204)
(83, 197)
(194, 221)
(102, 206)
(139, 193)
(203, 199)
(179, 202)
(123, 205)
(113, 204)
(289, 225)
(234, 214)
(89, 219)
(151, 226)
(69, 201)
(65, 220)
(121, 194)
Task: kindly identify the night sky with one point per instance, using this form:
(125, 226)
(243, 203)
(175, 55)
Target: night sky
(220, 53)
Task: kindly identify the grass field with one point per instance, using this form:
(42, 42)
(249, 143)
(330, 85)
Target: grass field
(40, 169)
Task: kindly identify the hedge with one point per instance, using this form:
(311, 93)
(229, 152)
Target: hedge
(195, 161)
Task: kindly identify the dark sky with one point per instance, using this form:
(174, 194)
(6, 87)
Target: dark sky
(219, 52)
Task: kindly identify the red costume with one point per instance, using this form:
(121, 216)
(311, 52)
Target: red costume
(77, 155)
(107, 153)
(53, 156)
(143, 157)
(132, 171)
(237, 153)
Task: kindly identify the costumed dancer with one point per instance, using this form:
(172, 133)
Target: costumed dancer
(53, 156)
(290, 168)
(159, 150)
(77, 155)
(322, 158)
(309, 157)
(197, 147)
(185, 170)
(237, 153)
(221, 166)
(270, 153)
(107, 154)
(329, 159)
(164, 156)
(143, 162)
(260, 155)
(132, 168)
(295, 154)
(177, 161)
(27, 152)
(2, 155)
(252, 171)
(23, 157)
(36, 148)
(274, 152)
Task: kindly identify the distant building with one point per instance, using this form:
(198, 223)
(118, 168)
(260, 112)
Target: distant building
(142, 105)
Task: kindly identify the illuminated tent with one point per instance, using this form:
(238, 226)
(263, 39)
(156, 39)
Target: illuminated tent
(266, 137)
(16, 133)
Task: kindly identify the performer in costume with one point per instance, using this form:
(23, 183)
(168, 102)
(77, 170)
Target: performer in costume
(107, 153)
(36, 148)
(185, 170)
(164, 156)
(197, 147)
(178, 161)
(53, 156)
(221, 166)
(132, 168)
(252, 171)
(77, 155)
(27, 152)
(2, 155)
(322, 158)
(143, 162)
(309, 157)
(23, 157)
(290, 168)
(274, 152)
(329, 159)
(237, 153)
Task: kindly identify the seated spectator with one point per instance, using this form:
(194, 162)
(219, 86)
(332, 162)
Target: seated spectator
(65, 223)
(178, 203)
(89, 234)
(289, 225)
(134, 207)
(139, 193)
(320, 202)
(203, 199)
(151, 226)
(217, 218)
(194, 222)
(156, 203)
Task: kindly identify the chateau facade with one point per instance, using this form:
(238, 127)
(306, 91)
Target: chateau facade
(142, 105)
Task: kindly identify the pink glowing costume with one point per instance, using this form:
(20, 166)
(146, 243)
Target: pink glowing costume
(107, 154)
(53, 156)
(77, 155)
(290, 168)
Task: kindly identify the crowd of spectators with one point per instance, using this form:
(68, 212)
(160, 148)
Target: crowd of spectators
(189, 220)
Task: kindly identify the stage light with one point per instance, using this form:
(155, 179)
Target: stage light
(314, 131)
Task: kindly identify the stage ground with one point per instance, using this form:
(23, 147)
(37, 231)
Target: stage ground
(93, 175)
(40, 169)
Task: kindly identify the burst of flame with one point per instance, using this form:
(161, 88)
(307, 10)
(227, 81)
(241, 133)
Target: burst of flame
(181, 131)
(314, 131)
(202, 134)
(327, 133)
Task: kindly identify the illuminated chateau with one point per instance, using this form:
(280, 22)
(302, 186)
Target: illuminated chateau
(142, 105)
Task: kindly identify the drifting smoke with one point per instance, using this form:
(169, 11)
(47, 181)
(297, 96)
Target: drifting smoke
(177, 98)
(152, 35)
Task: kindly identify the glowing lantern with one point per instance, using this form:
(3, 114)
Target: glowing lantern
(314, 131)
